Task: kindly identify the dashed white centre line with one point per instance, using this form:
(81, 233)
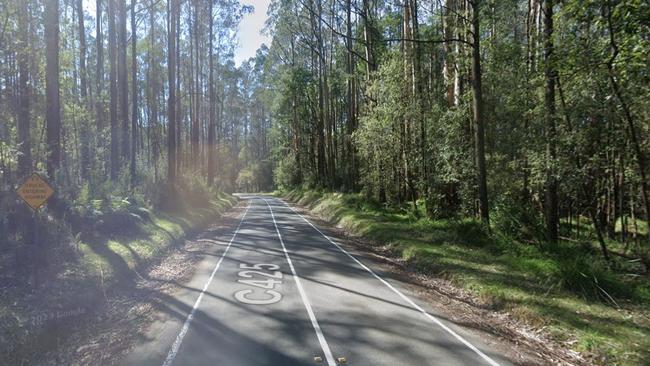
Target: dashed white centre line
(305, 300)
(179, 338)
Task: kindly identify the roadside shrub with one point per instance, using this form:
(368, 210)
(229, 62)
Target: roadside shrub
(194, 191)
(471, 232)
(517, 220)
(189, 191)
(590, 278)
(286, 175)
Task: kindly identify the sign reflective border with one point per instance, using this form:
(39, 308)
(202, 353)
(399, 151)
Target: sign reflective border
(35, 191)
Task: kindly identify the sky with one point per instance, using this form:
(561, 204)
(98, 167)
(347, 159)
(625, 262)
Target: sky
(250, 27)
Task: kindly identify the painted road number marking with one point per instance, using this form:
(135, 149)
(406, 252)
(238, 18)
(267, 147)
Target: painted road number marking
(255, 276)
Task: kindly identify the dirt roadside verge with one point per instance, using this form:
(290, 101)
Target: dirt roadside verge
(105, 320)
(130, 307)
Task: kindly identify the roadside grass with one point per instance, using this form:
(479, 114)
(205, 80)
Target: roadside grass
(110, 251)
(570, 291)
(148, 236)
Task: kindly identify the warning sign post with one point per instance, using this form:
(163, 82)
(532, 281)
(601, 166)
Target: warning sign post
(35, 191)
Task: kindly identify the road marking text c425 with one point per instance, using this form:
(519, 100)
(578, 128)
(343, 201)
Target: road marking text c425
(267, 282)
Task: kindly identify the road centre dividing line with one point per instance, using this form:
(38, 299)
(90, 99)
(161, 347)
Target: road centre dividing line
(179, 338)
(305, 300)
(400, 294)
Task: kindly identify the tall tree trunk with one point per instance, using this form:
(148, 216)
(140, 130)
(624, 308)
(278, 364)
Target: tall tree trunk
(134, 93)
(621, 197)
(154, 93)
(448, 32)
(52, 97)
(84, 91)
(99, 82)
(122, 79)
(351, 103)
(295, 124)
(530, 55)
(599, 232)
(211, 143)
(368, 36)
(23, 121)
(112, 65)
(171, 106)
(459, 52)
(407, 128)
(179, 114)
(419, 91)
(550, 74)
(82, 51)
(196, 87)
(477, 106)
(99, 89)
(317, 64)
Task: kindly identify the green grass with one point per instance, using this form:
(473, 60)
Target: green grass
(151, 238)
(567, 291)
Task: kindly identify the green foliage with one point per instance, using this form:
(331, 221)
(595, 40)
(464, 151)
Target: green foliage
(286, 175)
(8, 156)
(255, 178)
(517, 219)
(377, 137)
(590, 278)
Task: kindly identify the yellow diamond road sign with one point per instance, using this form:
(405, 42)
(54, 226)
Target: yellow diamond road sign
(35, 191)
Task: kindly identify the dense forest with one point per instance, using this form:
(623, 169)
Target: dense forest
(530, 118)
(468, 108)
(125, 97)
(460, 107)
(456, 108)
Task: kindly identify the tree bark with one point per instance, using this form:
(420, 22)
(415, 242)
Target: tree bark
(179, 105)
(351, 103)
(99, 82)
(153, 100)
(448, 66)
(211, 126)
(52, 97)
(23, 121)
(171, 106)
(83, 75)
(112, 65)
(134, 94)
(550, 74)
(478, 119)
(84, 92)
(122, 79)
(368, 36)
(195, 134)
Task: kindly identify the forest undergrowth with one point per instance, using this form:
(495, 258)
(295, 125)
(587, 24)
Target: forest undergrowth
(95, 245)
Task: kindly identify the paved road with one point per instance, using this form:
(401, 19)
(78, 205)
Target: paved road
(277, 291)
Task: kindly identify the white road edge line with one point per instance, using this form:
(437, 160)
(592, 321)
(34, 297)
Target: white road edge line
(319, 333)
(179, 338)
(404, 297)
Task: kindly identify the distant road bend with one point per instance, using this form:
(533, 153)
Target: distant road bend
(279, 291)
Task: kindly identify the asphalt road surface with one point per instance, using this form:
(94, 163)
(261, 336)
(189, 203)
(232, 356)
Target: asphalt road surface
(278, 291)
